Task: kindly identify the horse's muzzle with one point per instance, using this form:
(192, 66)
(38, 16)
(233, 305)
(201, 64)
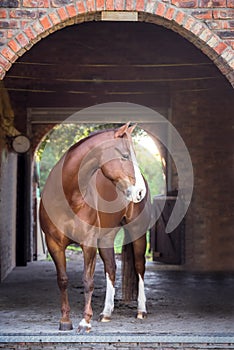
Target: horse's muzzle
(135, 194)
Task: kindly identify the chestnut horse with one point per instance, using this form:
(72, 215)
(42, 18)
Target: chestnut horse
(94, 190)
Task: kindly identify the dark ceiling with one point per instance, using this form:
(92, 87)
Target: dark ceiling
(97, 62)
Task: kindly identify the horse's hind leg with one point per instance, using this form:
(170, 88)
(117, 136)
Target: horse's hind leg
(108, 257)
(88, 280)
(57, 253)
(139, 247)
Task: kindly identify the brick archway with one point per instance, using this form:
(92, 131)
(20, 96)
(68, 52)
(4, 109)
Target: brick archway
(187, 23)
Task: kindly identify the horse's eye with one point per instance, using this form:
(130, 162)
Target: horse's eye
(125, 156)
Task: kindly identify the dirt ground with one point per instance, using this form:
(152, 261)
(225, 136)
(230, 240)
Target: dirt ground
(177, 301)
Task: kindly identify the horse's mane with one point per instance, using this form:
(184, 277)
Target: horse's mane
(92, 134)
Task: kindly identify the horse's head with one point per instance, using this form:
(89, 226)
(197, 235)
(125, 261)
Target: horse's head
(119, 164)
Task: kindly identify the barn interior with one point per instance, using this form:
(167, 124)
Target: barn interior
(142, 63)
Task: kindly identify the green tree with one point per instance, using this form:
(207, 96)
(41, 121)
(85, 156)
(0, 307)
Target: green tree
(57, 142)
(151, 168)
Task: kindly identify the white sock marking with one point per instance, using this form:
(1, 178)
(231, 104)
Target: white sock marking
(109, 300)
(141, 295)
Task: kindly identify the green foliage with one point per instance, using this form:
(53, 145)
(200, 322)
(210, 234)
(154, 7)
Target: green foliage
(119, 239)
(151, 168)
(57, 142)
(74, 247)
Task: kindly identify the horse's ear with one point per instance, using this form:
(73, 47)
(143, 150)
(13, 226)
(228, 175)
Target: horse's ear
(122, 130)
(130, 130)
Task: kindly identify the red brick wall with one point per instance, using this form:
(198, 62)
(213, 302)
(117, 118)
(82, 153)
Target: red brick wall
(209, 24)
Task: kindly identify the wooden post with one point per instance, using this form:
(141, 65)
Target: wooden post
(129, 276)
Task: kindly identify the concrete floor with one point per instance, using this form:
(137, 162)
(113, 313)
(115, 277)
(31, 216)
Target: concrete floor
(178, 302)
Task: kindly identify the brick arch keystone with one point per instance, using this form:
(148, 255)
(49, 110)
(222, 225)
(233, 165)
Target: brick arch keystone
(152, 11)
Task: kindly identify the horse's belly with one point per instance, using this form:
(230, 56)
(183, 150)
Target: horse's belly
(100, 219)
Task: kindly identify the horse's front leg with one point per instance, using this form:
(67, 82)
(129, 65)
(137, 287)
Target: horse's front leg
(88, 280)
(139, 247)
(108, 257)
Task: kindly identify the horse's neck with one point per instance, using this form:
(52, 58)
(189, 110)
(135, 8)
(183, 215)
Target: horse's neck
(82, 162)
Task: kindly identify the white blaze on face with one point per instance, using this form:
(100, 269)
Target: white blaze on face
(136, 192)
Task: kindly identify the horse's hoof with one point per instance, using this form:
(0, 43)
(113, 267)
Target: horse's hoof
(141, 315)
(84, 327)
(103, 318)
(65, 326)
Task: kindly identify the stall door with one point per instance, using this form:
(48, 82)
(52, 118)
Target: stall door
(167, 247)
